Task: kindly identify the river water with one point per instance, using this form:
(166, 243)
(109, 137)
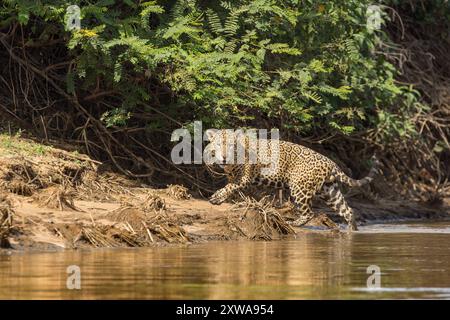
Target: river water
(413, 260)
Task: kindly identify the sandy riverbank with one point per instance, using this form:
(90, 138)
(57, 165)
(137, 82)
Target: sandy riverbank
(52, 199)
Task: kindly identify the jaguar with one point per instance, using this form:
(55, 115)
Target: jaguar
(303, 171)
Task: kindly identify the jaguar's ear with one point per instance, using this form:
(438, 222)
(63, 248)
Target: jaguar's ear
(209, 134)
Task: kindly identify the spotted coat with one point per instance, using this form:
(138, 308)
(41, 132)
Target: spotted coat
(303, 171)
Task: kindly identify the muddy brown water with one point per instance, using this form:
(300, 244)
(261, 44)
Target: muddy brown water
(414, 262)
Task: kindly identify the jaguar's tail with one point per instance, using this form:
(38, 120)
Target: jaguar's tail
(342, 177)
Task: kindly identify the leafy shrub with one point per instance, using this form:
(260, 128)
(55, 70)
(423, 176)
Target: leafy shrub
(308, 66)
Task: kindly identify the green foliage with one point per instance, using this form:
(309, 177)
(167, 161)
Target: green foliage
(304, 65)
(13, 145)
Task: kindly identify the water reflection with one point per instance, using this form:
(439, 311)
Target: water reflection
(318, 265)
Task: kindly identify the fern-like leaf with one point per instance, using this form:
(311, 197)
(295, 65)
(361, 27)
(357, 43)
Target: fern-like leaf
(215, 24)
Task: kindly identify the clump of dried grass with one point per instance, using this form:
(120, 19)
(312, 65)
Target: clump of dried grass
(18, 176)
(24, 176)
(18, 187)
(98, 237)
(128, 214)
(259, 219)
(153, 225)
(57, 197)
(129, 237)
(6, 219)
(178, 192)
(103, 186)
(167, 228)
(153, 202)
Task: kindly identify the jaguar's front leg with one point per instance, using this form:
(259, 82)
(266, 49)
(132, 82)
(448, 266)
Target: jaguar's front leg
(223, 194)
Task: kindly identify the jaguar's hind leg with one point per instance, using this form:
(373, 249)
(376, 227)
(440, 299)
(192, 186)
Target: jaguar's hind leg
(302, 200)
(335, 199)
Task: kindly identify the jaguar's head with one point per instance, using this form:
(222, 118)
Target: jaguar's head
(222, 145)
